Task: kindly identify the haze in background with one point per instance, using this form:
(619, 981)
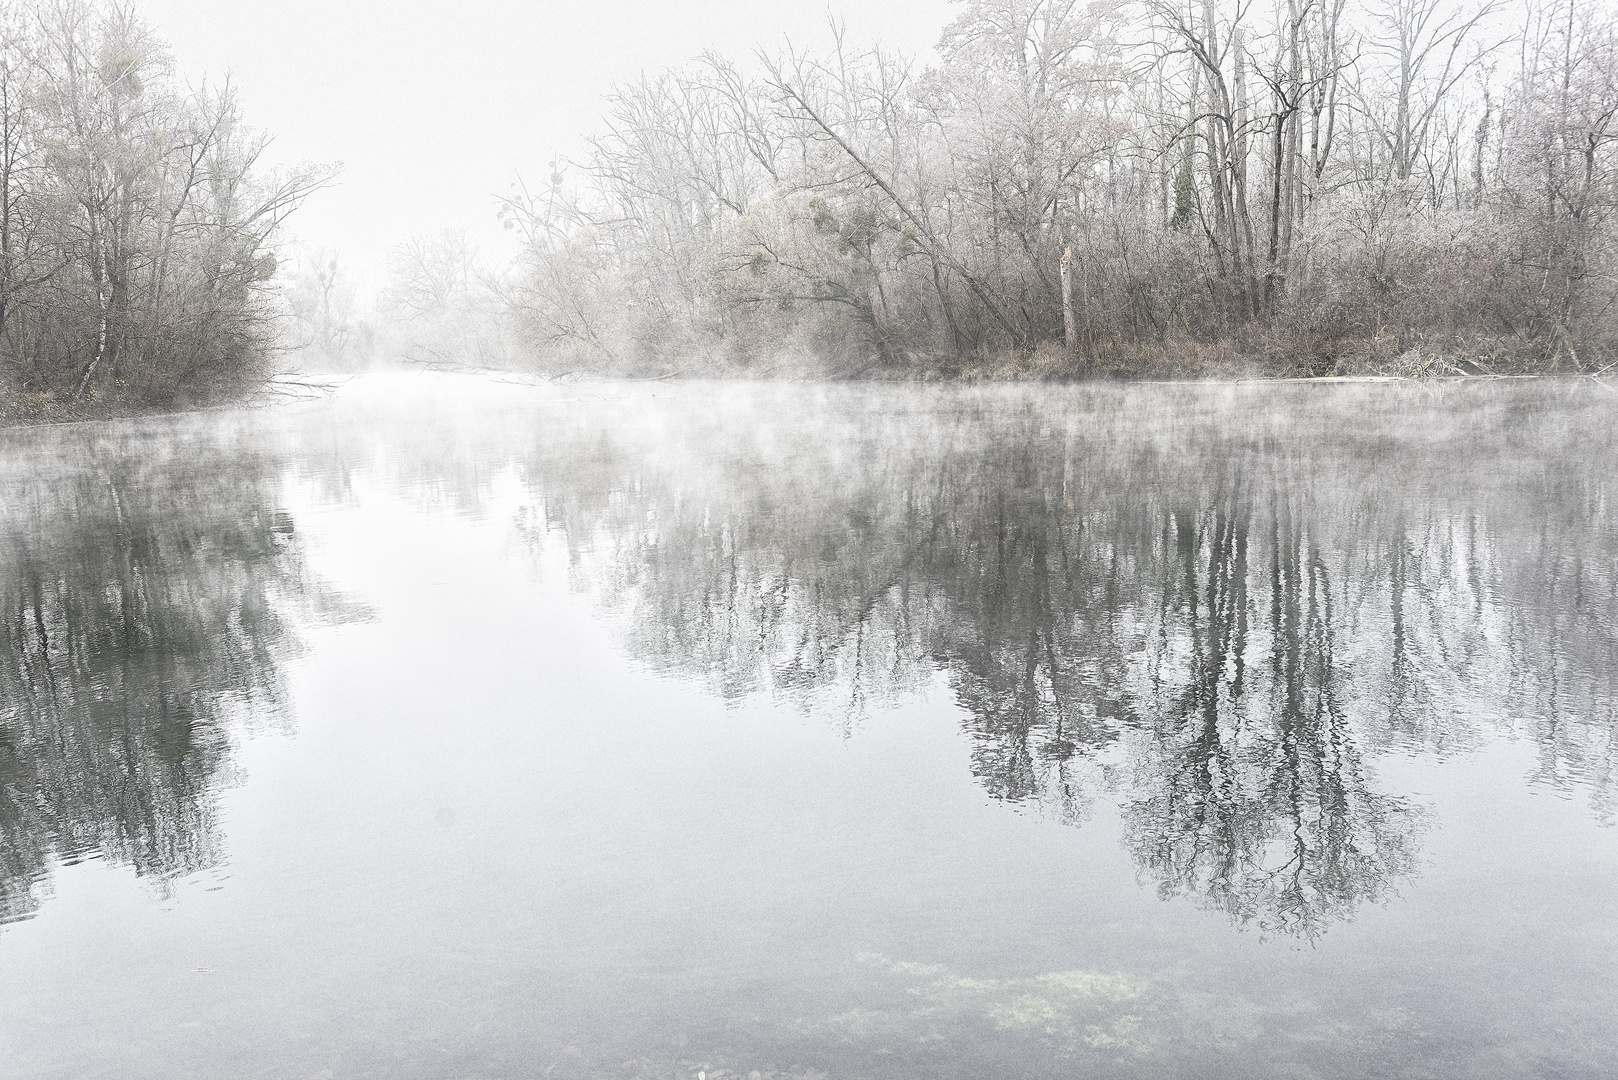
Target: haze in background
(434, 106)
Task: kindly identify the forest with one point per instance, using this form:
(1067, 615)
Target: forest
(1067, 190)
(1163, 187)
(137, 226)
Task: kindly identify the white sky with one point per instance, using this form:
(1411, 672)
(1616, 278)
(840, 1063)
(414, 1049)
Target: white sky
(434, 106)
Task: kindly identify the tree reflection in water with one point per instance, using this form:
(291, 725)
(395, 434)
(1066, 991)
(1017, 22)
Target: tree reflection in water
(149, 590)
(1213, 607)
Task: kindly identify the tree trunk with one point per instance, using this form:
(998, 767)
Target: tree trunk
(1070, 327)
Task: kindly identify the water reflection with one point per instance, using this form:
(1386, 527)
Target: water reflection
(1209, 610)
(1214, 608)
(1250, 786)
(150, 590)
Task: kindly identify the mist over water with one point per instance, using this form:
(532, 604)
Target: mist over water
(474, 728)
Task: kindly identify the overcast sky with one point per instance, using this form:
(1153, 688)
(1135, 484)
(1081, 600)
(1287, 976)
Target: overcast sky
(433, 106)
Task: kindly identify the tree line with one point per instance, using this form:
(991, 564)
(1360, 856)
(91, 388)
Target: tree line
(1410, 186)
(137, 221)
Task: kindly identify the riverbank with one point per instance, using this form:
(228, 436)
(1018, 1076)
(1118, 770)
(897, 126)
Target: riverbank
(30, 410)
(34, 410)
(1227, 361)
(22, 411)
(1254, 355)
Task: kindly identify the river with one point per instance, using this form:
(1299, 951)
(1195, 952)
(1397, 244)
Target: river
(454, 727)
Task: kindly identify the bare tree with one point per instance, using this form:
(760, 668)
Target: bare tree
(1202, 185)
(136, 223)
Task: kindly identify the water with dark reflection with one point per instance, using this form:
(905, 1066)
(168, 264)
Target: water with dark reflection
(454, 728)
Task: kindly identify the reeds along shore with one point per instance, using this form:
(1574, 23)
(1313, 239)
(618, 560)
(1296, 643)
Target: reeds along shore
(1156, 189)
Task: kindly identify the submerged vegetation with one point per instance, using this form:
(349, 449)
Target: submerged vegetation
(1352, 186)
(137, 227)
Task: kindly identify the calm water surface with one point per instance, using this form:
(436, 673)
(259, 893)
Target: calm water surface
(454, 728)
